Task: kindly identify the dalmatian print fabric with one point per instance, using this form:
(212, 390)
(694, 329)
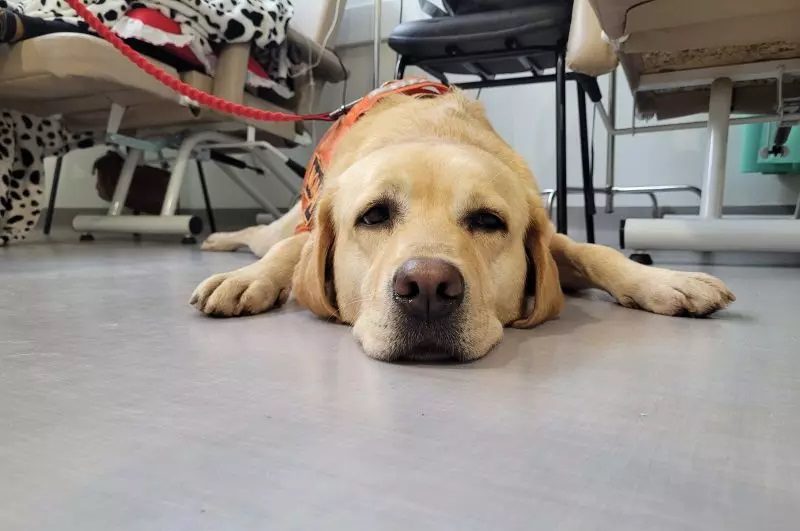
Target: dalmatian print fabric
(24, 142)
(208, 22)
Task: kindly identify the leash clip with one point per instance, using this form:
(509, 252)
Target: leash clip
(342, 110)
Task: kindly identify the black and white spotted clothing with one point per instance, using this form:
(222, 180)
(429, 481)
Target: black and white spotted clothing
(24, 142)
(207, 22)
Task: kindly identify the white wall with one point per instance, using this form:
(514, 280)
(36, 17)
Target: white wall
(523, 115)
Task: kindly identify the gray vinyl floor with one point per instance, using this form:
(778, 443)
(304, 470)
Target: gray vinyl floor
(122, 408)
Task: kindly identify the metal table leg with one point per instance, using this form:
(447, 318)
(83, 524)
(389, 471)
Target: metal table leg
(611, 140)
(588, 182)
(212, 224)
(51, 204)
(376, 44)
(561, 144)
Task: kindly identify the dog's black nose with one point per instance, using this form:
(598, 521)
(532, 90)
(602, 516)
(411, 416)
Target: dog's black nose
(428, 288)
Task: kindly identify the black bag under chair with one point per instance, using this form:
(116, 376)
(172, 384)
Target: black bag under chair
(491, 38)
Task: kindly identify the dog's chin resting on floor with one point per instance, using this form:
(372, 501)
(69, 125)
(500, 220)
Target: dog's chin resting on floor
(428, 238)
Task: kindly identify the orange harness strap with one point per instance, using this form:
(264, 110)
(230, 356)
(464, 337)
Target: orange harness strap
(315, 171)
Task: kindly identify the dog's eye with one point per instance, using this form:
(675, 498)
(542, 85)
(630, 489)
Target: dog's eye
(376, 215)
(485, 221)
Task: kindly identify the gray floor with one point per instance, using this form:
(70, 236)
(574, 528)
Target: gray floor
(122, 408)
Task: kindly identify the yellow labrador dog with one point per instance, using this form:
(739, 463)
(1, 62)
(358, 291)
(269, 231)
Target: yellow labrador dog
(429, 237)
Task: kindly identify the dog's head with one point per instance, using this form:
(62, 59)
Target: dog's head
(429, 247)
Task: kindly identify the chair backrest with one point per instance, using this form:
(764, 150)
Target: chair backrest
(313, 18)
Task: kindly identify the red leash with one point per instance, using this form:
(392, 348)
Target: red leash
(203, 98)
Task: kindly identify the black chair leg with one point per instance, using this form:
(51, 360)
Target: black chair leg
(561, 143)
(400, 67)
(209, 211)
(588, 181)
(51, 204)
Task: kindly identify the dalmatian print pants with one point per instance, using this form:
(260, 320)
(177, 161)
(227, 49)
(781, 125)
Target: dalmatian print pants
(25, 141)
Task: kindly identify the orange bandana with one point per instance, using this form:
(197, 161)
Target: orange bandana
(315, 171)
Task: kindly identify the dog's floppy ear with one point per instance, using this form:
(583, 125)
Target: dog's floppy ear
(313, 277)
(543, 282)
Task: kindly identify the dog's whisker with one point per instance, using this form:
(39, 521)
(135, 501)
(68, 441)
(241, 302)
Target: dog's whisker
(355, 301)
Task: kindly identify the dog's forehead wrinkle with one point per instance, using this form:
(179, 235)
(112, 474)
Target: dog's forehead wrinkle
(426, 175)
(434, 154)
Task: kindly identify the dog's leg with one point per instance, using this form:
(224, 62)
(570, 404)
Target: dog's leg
(259, 238)
(635, 285)
(255, 288)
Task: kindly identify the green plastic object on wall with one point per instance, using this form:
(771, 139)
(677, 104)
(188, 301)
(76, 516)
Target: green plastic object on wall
(757, 139)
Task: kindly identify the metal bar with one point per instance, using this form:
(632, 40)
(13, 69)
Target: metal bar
(139, 224)
(478, 70)
(170, 204)
(115, 115)
(260, 158)
(484, 56)
(436, 74)
(614, 190)
(656, 213)
(530, 65)
(185, 152)
(797, 208)
(607, 122)
(725, 234)
(154, 144)
(250, 190)
(658, 188)
(588, 184)
(705, 76)
(124, 182)
(700, 124)
(400, 67)
(212, 225)
(789, 118)
(376, 44)
(611, 140)
(51, 204)
(216, 156)
(719, 113)
(249, 146)
(548, 202)
(511, 81)
(561, 144)
(506, 82)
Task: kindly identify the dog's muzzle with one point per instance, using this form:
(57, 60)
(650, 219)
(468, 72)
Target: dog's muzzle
(429, 292)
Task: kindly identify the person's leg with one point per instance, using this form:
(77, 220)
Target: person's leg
(15, 27)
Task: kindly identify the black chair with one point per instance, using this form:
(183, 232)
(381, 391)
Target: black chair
(525, 40)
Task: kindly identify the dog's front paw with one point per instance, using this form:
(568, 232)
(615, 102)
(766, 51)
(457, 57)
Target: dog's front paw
(237, 293)
(220, 241)
(678, 293)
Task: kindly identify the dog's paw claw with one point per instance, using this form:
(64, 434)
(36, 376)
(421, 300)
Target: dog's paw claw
(220, 241)
(680, 294)
(235, 293)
